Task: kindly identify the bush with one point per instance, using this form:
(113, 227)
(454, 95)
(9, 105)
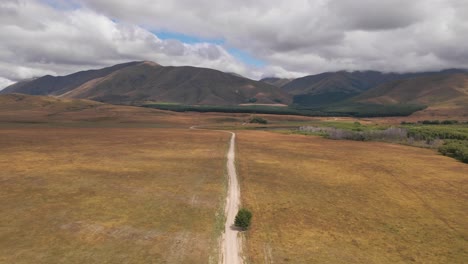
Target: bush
(449, 122)
(456, 148)
(437, 132)
(258, 120)
(437, 122)
(391, 133)
(430, 122)
(243, 219)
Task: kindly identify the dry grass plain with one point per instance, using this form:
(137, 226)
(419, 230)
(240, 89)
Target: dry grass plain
(108, 195)
(17, 110)
(322, 201)
(85, 182)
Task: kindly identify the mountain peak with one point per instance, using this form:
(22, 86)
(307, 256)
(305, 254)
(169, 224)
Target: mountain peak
(151, 63)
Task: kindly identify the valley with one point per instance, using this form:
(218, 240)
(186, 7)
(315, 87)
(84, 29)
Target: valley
(233, 132)
(143, 163)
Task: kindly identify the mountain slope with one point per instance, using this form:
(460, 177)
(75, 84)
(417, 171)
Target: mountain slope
(37, 109)
(139, 82)
(443, 92)
(428, 90)
(332, 87)
(56, 85)
(278, 82)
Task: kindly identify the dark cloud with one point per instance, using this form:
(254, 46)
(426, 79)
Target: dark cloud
(377, 15)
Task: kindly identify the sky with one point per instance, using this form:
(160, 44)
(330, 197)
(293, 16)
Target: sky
(261, 38)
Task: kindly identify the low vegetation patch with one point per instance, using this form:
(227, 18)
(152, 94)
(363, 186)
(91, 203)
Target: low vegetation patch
(389, 134)
(357, 110)
(258, 120)
(432, 122)
(450, 139)
(373, 110)
(456, 148)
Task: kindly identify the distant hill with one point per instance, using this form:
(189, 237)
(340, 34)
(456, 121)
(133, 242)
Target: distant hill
(141, 82)
(18, 102)
(56, 85)
(332, 87)
(35, 109)
(278, 82)
(447, 92)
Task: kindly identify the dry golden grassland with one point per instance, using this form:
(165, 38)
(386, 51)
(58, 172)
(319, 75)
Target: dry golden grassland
(94, 195)
(323, 201)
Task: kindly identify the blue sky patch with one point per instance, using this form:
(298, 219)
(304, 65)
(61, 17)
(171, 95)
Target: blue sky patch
(246, 58)
(186, 38)
(237, 53)
(62, 5)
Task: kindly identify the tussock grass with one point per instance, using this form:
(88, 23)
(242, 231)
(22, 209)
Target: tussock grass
(323, 201)
(94, 195)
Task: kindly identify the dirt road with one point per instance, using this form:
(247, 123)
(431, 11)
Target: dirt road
(231, 243)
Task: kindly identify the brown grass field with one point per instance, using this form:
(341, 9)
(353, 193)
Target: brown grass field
(323, 201)
(17, 110)
(107, 195)
(85, 182)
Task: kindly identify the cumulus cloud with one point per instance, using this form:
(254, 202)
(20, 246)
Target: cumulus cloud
(37, 39)
(5, 82)
(292, 38)
(306, 36)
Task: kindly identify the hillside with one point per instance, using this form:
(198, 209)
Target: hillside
(32, 109)
(56, 85)
(427, 90)
(140, 82)
(22, 102)
(333, 87)
(445, 94)
(278, 82)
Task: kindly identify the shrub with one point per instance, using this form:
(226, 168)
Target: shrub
(407, 123)
(456, 148)
(243, 219)
(392, 133)
(437, 122)
(258, 120)
(431, 122)
(449, 122)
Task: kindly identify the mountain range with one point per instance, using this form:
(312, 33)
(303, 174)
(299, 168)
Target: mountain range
(332, 87)
(143, 82)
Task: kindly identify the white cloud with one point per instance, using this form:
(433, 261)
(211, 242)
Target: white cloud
(317, 35)
(4, 83)
(36, 39)
(293, 38)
